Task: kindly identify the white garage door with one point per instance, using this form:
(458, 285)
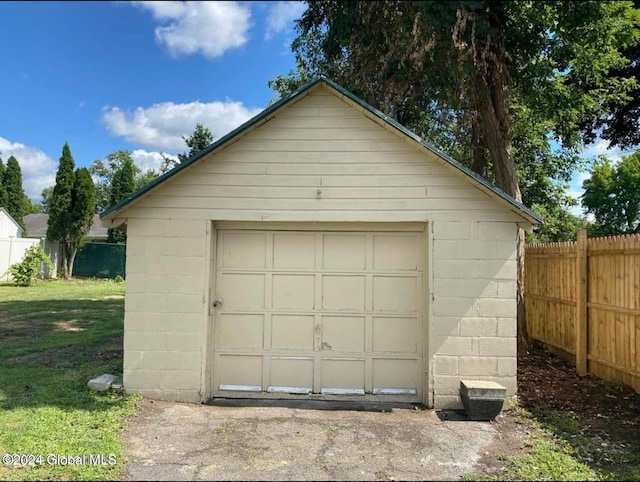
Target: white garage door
(330, 314)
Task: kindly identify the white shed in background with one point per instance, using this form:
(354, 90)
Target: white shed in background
(12, 244)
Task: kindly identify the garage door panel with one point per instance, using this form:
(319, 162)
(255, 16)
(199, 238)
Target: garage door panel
(396, 294)
(393, 376)
(397, 252)
(343, 376)
(240, 373)
(345, 293)
(343, 333)
(335, 313)
(398, 335)
(290, 375)
(241, 331)
(244, 250)
(293, 292)
(294, 251)
(243, 291)
(344, 252)
(292, 332)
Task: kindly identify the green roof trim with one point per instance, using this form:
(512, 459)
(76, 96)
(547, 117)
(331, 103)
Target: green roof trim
(528, 213)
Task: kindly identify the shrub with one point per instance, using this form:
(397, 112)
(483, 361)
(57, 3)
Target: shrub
(24, 272)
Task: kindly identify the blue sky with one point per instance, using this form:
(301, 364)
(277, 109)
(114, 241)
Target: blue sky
(104, 76)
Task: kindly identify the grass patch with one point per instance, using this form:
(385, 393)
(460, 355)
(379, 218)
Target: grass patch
(558, 449)
(54, 337)
(607, 458)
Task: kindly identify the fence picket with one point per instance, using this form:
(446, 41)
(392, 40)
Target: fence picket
(585, 304)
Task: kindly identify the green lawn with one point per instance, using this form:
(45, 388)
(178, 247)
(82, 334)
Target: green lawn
(54, 337)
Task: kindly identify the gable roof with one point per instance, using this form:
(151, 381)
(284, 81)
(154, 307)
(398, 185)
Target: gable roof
(3, 210)
(36, 226)
(382, 119)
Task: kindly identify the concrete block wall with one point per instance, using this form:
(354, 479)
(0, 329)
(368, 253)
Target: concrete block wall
(164, 308)
(473, 317)
(472, 332)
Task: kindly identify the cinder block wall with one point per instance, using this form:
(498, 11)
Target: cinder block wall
(164, 308)
(473, 318)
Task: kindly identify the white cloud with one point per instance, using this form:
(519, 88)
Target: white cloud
(582, 176)
(162, 126)
(281, 16)
(209, 28)
(149, 160)
(601, 146)
(38, 169)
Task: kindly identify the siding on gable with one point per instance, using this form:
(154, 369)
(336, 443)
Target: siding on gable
(8, 228)
(320, 143)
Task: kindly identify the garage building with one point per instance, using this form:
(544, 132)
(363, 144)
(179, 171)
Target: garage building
(319, 251)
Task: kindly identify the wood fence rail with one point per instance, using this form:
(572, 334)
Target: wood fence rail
(582, 300)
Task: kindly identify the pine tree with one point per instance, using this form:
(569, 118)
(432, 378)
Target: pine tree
(15, 203)
(83, 204)
(196, 142)
(59, 223)
(123, 184)
(3, 191)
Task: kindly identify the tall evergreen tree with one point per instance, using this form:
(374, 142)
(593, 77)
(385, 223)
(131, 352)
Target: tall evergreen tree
(3, 191)
(83, 205)
(122, 185)
(59, 222)
(16, 200)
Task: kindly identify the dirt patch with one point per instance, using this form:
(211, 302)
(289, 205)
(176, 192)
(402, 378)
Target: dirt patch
(73, 326)
(603, 418)
(512, 431)
(547, 380)
(607, 414)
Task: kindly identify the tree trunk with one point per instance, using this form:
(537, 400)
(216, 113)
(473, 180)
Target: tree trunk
(492, 104)
(73, 250)
(65, 268)
(478, 147)
(523, 334)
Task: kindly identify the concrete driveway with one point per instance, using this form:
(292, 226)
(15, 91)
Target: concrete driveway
(172, 441)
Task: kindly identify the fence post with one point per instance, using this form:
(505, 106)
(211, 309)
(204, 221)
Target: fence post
(581, 302)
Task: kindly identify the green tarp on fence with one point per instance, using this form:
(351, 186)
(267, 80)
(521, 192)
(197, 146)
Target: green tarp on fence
(100, 260)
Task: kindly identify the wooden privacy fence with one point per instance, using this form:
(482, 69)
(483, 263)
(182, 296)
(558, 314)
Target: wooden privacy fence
(582, 300)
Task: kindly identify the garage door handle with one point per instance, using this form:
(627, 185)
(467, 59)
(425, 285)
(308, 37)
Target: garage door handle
(217, 303)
